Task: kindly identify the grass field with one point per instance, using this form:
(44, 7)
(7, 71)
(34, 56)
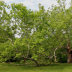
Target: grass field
(51, 68)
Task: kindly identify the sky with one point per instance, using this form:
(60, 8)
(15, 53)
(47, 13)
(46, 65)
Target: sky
(33, 4)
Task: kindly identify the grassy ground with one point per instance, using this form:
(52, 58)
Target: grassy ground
(51, 68)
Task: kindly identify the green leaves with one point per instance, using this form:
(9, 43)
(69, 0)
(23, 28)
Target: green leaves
(41, 32)
(34, 57)
(18, 55)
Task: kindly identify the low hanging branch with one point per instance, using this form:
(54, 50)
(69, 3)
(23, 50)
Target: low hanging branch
(26, 58)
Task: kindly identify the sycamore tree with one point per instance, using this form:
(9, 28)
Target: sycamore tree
(7, 31)
(41, 32)
(52, 31)
(61, 23)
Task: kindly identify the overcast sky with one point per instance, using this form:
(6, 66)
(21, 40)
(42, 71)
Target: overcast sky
(33, 4)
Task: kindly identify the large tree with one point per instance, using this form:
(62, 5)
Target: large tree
(41, 32)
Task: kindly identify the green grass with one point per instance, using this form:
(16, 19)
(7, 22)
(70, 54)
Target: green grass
(51, 68)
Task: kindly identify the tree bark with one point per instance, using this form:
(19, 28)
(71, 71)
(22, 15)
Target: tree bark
(55, 54)
(69, 51)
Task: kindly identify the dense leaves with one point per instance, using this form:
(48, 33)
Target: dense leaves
(41, 33)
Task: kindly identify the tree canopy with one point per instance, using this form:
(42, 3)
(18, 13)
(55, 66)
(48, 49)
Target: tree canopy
(41, 33)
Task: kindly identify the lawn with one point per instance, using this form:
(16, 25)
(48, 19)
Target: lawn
(64, 67)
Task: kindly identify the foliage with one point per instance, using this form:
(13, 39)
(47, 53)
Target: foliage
(62, 55)
(40, 33)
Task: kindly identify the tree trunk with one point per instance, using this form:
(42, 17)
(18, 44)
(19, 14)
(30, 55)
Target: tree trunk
(55, 55)
(69, 51)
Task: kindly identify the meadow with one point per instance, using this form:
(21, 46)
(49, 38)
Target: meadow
(59, 67)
